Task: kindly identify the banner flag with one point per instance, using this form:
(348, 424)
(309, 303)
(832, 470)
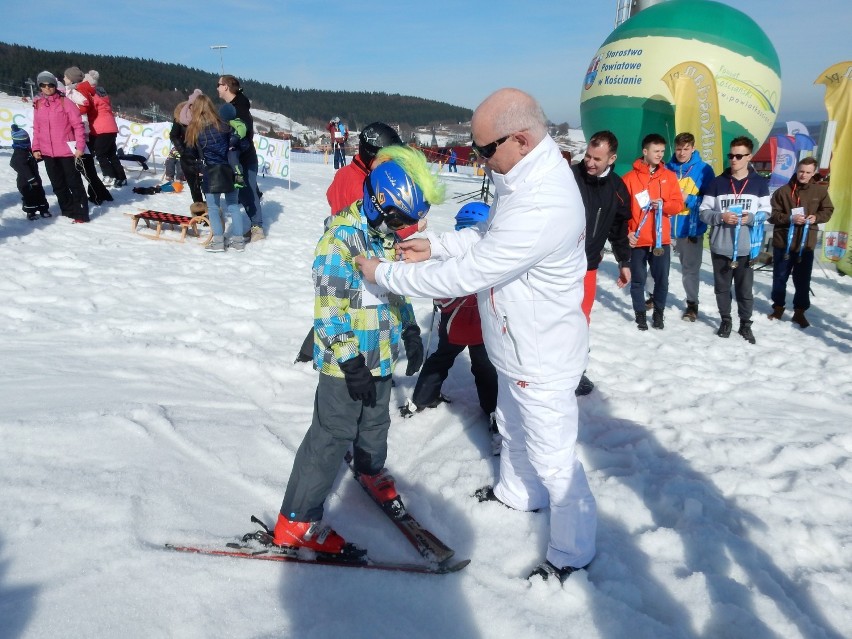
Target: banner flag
(693, 88)
(838, 102)
(804, 145)
(794, 128)
(784, 161)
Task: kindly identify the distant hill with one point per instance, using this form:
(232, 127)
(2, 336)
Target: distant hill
(134, 84)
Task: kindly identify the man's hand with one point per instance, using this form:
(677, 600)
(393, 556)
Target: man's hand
(623, 277)
(416, 250)
(367, 266)
(811, 219)
(632, 239)
(730, 218)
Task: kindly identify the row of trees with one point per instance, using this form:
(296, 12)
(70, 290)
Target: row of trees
(135, 83)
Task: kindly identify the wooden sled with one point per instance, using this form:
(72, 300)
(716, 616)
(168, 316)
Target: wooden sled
(156, 221)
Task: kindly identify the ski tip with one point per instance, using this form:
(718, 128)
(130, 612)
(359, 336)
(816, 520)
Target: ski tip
(446, 567)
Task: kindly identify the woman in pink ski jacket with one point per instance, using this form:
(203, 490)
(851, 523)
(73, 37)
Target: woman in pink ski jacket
(59, 139)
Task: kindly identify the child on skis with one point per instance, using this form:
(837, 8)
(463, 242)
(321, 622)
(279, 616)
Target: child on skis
(358, 328)
(29, 181)
(237, 143)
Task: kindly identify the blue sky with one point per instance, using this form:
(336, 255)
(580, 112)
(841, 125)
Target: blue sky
(457, 52)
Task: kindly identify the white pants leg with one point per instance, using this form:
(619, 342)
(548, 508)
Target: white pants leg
(539, 465)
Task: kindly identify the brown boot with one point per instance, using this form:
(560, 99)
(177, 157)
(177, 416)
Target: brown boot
(800, 319)
(777, 312)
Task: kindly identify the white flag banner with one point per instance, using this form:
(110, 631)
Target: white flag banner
(794, 128)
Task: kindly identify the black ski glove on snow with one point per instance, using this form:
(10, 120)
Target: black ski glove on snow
(359, 381)
(413, 349)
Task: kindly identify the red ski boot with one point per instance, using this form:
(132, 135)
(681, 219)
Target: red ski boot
(307, 534)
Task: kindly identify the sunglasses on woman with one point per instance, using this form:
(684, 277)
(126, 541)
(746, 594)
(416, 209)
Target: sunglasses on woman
(45, 85)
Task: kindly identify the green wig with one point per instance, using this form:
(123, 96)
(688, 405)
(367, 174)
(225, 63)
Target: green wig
(415, 165)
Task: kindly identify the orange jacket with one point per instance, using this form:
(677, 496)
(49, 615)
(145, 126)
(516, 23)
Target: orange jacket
(663, 185)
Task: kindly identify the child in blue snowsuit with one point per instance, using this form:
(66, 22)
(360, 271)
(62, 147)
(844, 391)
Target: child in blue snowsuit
(29, 181)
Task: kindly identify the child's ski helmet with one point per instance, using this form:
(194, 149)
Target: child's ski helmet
(374, 137)
(471, 214)
(392, 197)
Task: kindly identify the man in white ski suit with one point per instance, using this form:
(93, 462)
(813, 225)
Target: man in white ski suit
(527, 268)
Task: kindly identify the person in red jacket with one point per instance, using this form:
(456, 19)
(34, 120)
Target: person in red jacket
(651, 186)
(103, 129)
(339, 135)
(348, 183)
(460, 327)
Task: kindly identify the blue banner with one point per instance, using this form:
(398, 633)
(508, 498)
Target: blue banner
(784, 162)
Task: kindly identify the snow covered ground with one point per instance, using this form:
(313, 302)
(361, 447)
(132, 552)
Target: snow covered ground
(148, 395)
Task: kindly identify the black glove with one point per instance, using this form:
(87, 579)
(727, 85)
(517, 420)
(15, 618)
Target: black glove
(413, 349)
(359, 382)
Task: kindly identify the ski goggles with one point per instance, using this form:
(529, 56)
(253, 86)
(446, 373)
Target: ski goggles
(487, 150)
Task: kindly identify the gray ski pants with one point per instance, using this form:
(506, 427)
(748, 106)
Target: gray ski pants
(338, 421)
(690, 255)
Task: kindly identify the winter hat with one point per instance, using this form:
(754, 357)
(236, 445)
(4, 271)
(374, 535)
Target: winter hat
(74, 74)
(194, 95)
(227, 112)
(20, 138)
(92, 78)
(46, 77)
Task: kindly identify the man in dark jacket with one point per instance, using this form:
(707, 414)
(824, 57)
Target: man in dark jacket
(797, 208)
(230, 92)
(607, 205)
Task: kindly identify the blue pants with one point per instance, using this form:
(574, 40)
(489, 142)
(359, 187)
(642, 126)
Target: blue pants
(640, 258)
(248, 195)
(239, 220)
(801, 271)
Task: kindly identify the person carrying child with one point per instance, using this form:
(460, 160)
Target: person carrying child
(29, 180)
(237, 142)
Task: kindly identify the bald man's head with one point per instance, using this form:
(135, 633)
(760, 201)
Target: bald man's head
(510, 110)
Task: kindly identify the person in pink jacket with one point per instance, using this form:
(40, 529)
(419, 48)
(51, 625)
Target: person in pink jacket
(59, 139)
(103, 129)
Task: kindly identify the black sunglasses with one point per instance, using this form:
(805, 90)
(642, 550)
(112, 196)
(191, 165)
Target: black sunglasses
(487, 150)
(738, 156)
(44, 85)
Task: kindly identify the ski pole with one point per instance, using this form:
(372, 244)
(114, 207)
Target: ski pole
(431, 331)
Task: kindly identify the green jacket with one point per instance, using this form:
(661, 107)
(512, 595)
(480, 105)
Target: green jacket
(348, 318)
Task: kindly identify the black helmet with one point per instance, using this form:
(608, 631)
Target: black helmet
(373, 137)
